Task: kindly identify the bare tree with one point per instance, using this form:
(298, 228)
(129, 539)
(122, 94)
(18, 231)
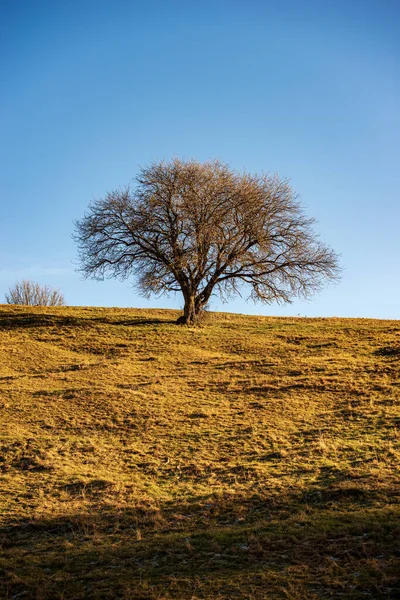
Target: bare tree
(202, 228)
(33, 294)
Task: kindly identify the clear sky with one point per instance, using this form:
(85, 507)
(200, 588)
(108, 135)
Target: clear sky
(91, 90)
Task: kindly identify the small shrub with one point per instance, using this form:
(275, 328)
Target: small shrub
(33, 294)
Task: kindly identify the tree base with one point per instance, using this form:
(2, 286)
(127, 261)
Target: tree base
(181, 320)
(184, 320)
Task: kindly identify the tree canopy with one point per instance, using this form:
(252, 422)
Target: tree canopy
(201, 229)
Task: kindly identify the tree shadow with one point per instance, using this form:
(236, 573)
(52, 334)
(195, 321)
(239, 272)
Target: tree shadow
(299, 546)
(10, 320)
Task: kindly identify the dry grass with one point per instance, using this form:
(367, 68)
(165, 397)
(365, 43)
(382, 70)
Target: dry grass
(251, 458)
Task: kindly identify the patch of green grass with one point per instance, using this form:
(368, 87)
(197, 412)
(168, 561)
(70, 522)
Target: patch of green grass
(250, 458)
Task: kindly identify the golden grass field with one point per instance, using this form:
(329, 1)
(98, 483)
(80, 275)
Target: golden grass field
(251, 458)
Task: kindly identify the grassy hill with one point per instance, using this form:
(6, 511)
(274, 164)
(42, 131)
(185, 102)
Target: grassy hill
(251, 458)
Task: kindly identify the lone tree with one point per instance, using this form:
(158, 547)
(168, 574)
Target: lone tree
(33, 294)
(202, 228)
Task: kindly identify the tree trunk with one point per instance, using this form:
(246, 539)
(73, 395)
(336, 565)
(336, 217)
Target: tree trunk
(191, 311)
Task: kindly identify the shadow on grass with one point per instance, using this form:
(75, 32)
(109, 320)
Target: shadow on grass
(209, 547)
(12, 321)
(389, 352)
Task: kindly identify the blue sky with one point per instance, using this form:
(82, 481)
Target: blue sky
(91, 90)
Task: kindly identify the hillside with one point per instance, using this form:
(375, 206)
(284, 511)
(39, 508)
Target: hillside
(251, 458)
